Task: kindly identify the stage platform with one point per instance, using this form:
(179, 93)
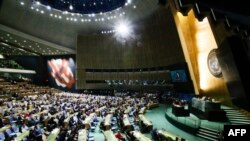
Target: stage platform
(192, 123)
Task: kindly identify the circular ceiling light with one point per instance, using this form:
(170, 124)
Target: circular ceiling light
(123, 30)
(84, 6)
(71, 7)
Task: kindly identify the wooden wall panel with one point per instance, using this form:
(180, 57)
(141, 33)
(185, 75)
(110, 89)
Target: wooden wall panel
(156, 43)
(198, 39)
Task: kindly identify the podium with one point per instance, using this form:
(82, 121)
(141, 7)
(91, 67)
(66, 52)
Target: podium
(180, 110)
(210, 110)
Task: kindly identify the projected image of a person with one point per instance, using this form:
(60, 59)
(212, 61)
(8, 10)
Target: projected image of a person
(178, 77)
(61, 72)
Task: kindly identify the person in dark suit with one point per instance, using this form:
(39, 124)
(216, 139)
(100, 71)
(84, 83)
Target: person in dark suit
(61, 120)
(1, 123)
(38, 133)
(63, 133)
(51, 124)
(32, 135)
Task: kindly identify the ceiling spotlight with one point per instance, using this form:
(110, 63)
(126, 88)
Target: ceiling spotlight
(38, 3)
(123, 29)
(65, 12)
(71, 7)
(48, 7)
(22, 3)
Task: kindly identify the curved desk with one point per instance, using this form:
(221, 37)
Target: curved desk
(180, 110)
(21, 136)
(145, 123)
(169, 136)
(53, 135)
(82, 135)
(140, 137)
(109, 136)
(142, 110)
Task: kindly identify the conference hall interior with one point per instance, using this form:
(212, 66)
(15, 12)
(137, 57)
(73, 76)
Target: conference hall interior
(123, 70)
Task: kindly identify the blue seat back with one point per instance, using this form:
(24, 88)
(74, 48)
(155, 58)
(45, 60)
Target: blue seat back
(9, 132)
(2, 137)
(15, 129)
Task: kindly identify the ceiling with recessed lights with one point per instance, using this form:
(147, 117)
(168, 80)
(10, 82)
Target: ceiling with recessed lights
(55, 30)
(83, 6)
(13, 42)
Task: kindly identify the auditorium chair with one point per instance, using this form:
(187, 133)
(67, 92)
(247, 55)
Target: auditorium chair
(91, 138)
(2, 137)
(15, 128)
(10, 134)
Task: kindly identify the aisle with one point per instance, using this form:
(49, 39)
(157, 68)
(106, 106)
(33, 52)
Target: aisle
(98, 135)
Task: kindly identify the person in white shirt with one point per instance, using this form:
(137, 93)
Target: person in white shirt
(24, 128)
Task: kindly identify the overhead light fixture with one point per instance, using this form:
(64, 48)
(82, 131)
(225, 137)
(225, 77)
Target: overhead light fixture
(4, 44)
(71, 7)
(1, 56)
(48, 7)
(123, 29)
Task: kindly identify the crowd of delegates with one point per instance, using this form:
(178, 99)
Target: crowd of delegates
(15, 88)
(41, 114)
(6, 63)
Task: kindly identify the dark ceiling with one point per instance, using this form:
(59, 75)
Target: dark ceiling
(237, 11)
(84, 6)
